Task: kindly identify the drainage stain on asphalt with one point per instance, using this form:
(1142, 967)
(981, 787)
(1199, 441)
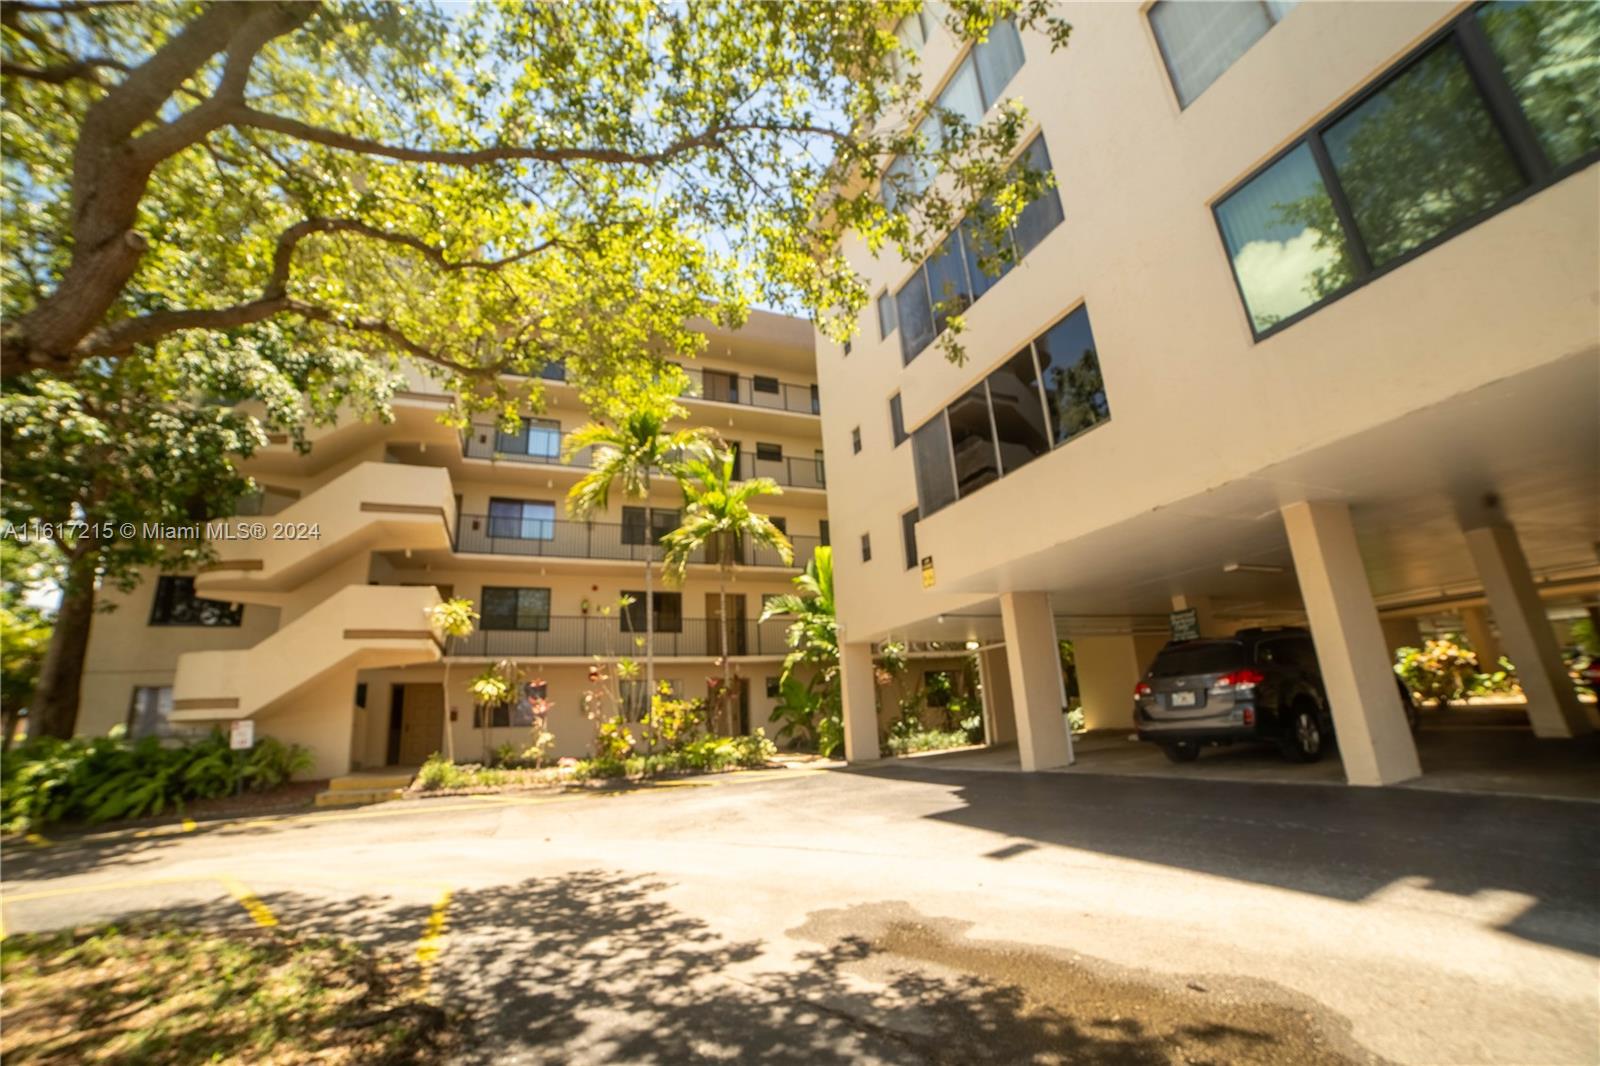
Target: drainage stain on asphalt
(1019, 1003)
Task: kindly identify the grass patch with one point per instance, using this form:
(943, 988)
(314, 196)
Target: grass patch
(149, 993)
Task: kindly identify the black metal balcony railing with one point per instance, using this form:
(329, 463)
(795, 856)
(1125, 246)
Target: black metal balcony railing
(482, 442)
(563, 539)
(613, 636)
(753, 390)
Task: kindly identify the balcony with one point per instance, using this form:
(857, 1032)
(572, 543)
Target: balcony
(486, 442)
(753, 390)
(611, 636)
(557, 538)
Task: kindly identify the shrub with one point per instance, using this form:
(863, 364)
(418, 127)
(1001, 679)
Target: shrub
(697, 756)
(905, 742)
(46, 780)
(612, 739)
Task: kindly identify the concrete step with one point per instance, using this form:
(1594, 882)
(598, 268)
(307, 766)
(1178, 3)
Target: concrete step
(364, 782)
(353, 797)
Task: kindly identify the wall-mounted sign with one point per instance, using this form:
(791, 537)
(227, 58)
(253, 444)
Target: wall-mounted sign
(927, 571)
(1185, 624)
(242, 734)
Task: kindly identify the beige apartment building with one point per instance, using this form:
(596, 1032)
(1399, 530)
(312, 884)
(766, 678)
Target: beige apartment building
(1308, 332)
(315, 626)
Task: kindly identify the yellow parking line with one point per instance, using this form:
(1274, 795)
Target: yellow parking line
(259, 912)
(432, 944)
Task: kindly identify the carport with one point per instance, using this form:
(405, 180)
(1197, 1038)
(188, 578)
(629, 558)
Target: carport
(1427, 516)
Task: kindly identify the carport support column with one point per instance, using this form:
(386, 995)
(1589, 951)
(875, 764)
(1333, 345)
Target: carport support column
(859, 687)
(1475, 620)
(999, 716)
(1036, 688)
(1553, 705)
(1374, 740)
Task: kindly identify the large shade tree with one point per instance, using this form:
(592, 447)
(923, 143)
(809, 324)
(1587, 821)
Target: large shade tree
(310, 198)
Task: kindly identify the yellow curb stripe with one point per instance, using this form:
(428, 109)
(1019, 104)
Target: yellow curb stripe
(432, 943)
(259, 912)
(190, 825)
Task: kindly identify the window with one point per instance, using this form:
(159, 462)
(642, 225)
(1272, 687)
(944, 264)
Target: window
(1548, 53)
(930, 457)
(1074, 391)
(522, 519)
(897, 421)
(953, 277)
(517, 711)
(769, 453)
(886, 318)
(1040, 398)
(668, 612)
(536, 437)
(663, 520)
(1201, 40)
(150, 712)
(780, 522)
(915, 311)
(175, 604)
(908, 534)
(855, 440)
(772, 686)
(1287, 247)
(822, 532)
(1043, 214)
(866, 547)
(516, 608)
(1419, 156)
(998, 60)
(1021, 429)
(765, 384)
(1493, 107)
(972, 440)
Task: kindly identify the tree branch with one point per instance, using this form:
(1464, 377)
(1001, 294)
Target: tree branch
(61, 73)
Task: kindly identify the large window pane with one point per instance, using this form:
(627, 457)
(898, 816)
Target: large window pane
(930, 455)
(972, 441)
(522, 519)
(1420, 156)
(978, 248)
(1287, 246)
(1075, 393)
(886, 316)
(1019, 420)
(998, 59)
(961, 95)
(947, 281)
(1202, 38)
(915, 312)
(1551, 54)
(1044, 214)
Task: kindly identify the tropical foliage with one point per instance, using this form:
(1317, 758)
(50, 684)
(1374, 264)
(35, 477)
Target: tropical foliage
(810, 710)
(452, 619)
(718, 521)
(47, 780)
(1444, 669)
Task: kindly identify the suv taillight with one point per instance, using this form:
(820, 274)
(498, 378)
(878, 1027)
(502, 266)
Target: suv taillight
(1244, 679)
(1141, 690)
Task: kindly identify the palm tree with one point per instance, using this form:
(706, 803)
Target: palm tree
(813, 639)
(453, 619)
(718, 519)
(628, 454)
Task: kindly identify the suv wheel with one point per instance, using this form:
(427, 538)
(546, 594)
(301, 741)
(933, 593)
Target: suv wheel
(1305, 740)
(1182, 751)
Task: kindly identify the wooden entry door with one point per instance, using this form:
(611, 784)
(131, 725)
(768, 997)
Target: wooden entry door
(421, 723)
(737, 643)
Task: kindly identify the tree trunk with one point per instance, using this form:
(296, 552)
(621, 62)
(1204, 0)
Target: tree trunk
(449, 734)
(53, 712)
(722, 626)
(649, 610)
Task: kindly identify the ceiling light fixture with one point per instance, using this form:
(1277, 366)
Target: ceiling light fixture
(1251, 568)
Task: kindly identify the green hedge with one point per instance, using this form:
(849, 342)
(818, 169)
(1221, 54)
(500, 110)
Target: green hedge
(47, 780)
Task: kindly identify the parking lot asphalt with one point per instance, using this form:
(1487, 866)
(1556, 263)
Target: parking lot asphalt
(908, 913)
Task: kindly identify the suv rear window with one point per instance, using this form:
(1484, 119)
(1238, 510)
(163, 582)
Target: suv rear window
(1198, 657)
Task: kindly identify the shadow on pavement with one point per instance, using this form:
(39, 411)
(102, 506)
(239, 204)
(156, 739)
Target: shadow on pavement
(1342, 843)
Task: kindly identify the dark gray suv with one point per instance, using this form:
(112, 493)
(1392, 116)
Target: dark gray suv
(1257, 685)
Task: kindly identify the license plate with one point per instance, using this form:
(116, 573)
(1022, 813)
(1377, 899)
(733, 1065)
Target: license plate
(1183, 699)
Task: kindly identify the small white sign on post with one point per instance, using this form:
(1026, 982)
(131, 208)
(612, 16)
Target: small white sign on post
(242, 734)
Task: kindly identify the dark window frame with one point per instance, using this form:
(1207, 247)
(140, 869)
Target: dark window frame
(165, 598)
(483, 621)
(897, 421)
(887, 324)
(908, 535)
(855, 441)
(1166, 59)
(866, 547)
(764, 383)
(768, 452)
(1499, 99)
